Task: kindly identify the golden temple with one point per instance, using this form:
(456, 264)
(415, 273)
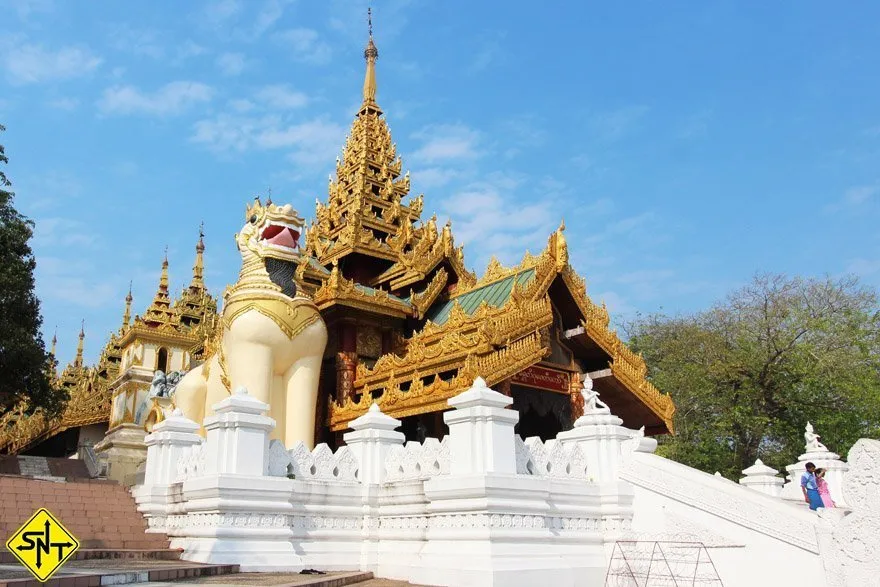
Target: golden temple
(409, 325)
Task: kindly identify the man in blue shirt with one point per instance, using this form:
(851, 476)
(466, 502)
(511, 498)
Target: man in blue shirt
(811, 488)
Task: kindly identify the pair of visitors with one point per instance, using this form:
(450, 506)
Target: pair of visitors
(815, 488)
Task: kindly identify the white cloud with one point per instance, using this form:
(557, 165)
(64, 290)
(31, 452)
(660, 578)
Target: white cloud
(281, 97)
(854, 197)
(618, 123)
(304, 45)
(26, 8)
(447, 142)
(696, 125)
(432, 177)
(241, 105)
(188, 50)
(863, 267)
(72, 283)
(68, 104)
(268, 15)
(231, 64)
(861, 194)
(32, 63)
(310, 142)
(144, 42)
(488, 53)
(55, 233)
(217, 13)
(489, 220)
(172, 98)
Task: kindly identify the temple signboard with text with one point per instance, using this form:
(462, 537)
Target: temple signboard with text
(543, 378)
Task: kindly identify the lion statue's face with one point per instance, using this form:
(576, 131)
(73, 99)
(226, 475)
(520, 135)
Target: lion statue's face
(271, 231)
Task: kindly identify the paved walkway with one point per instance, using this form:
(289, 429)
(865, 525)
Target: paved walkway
(284, 580)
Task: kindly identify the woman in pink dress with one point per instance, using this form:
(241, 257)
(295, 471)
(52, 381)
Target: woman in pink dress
(823, 489)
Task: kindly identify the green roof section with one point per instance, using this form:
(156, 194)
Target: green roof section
(495, 294)
(371, 291)
(317, 266)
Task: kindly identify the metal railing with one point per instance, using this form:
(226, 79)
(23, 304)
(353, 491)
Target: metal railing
(656, 564)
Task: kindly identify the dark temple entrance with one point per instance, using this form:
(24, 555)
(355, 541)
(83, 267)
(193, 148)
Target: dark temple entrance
(541, 413)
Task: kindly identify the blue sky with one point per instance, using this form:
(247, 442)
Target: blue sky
(686, 144)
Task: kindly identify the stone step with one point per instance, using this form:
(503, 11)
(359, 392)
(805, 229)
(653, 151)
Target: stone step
(97, 574)
(100, 514)
(43, 467)
(167, 554)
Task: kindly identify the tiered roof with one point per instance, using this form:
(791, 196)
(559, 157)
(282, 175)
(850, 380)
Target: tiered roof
(406, 268)
(187, 320)
(399, 264)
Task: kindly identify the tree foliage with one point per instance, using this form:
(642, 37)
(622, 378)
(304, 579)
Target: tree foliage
(24, 363)
(748, 374)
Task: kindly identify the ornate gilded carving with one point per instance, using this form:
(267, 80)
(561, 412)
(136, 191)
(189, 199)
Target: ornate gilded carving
(423, 300)
(339, 290)
(369, 342)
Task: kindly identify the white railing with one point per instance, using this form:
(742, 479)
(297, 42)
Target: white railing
(416, 460)
(94, 466)
(320, 464)
(549, 459)
(192, 462)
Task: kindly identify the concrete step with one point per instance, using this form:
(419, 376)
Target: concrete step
(97, 573)
(43, 467)
(166, 554)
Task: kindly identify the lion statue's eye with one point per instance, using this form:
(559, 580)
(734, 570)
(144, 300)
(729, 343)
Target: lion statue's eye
(254, 219)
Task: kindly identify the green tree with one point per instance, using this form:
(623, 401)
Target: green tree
(24, 362)
(748, 374)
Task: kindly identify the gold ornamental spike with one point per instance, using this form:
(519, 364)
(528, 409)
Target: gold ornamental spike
(371, 53)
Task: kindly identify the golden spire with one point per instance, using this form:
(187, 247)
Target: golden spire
(160, 311)
(198, 278)
(163, 280)
(78, 361)
(370, 54)
(126, 317)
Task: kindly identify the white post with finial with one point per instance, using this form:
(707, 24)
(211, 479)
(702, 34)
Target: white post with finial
(373, 435)
(600, 435)
(481, 437)
(763, 479)
(166, 444)
(238, 435)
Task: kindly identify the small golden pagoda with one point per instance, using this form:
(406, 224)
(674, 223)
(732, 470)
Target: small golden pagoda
(112, 393)
(410, 326)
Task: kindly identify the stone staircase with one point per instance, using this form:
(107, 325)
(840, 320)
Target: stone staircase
(101, 514)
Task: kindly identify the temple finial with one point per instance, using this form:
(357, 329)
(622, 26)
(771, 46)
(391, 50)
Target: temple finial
(54, 342)
(198, 276)
(126, 317)
(268, 195)
(163, 281)
(78, 361)
(370, 54)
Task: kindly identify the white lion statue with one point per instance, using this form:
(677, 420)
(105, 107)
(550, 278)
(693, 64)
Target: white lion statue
(271, 338)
